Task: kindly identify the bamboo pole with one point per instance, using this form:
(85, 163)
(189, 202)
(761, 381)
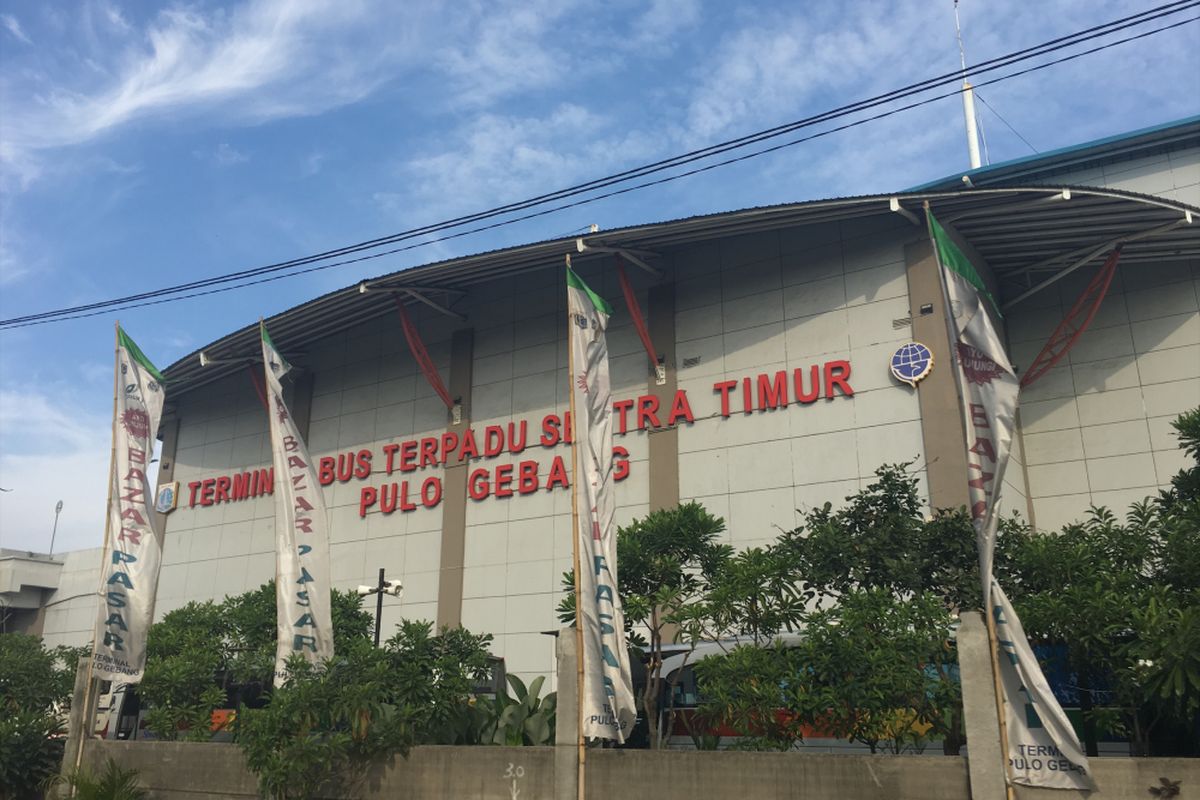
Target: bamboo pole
(994, 646)
(581, 745)
(88, 698)
(989, 619)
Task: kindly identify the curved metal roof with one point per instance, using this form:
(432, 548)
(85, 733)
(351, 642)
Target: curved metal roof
(1025, 234)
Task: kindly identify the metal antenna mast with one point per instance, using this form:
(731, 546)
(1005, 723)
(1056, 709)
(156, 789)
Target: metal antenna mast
(968, 98)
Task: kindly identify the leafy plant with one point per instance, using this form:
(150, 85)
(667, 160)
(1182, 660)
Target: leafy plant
(744, 689)
(1122, 598)
(31, 750)
(878, 670)
(197, 651)
(35, 693)
(367, 702)
(112, 783)
(526, 719)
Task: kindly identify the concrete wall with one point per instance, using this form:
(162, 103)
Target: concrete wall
(70, 616)
(178, 771)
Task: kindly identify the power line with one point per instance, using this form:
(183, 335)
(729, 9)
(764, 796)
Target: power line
(986, 66)
(130, 301)
(627, 189)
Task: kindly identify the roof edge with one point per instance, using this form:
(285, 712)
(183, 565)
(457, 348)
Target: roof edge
(1181, 126)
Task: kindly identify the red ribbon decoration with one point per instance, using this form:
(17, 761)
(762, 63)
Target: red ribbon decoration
(258, 387)
(421, 354)
(1066, 334)
(635, 312)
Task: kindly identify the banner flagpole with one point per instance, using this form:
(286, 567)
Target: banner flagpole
(988, 615)
(88, 699)
(303, 613)
(581, 745)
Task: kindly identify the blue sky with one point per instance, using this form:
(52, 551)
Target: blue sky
(145, 144)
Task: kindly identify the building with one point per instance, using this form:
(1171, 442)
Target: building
(776, 327)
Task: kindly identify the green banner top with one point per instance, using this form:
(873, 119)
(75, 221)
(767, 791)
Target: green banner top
(599, 302)
(137, 355)
(951, 256)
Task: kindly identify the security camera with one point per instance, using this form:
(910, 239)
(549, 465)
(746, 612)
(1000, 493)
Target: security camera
(394, 588)
(363, 591)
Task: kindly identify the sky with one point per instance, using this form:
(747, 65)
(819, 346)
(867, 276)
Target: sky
(144, 144)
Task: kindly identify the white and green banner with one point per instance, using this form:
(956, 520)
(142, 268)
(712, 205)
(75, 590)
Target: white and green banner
(302, 587)
(607, 705)
(1043, 749)
(132, 552)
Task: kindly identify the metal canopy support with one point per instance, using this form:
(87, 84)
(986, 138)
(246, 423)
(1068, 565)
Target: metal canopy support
(635, 257)
(1089, 255)
(894, 205)
(396, 286)
(417, 293)
(1058, 194)
(438, 307)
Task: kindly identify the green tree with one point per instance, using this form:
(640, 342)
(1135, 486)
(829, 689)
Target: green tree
(185, 654)
(196, 652)
(744, 690)
(877, 669)
(881, 538)
(1122, 597)
(665, 562)
(36, 684)
(875, 561)
(325, 724)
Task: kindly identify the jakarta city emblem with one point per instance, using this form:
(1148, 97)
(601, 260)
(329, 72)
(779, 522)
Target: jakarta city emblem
(911, 363)
(167, 497)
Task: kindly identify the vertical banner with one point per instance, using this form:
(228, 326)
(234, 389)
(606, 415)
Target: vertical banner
(1043, 749)
(129, 570)
(302, 587)
(607, 706)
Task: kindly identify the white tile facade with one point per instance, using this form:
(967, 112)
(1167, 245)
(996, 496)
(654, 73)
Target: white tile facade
(365, 395)
(1095, 430)
(782, 301)
(1097, 427)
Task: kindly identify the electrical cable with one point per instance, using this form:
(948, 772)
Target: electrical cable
(1050, 46)
(627, 189)
(695, 155)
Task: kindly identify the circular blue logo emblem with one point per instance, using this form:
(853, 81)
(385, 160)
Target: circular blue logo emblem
(911, 363)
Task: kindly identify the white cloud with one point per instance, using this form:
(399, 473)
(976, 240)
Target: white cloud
(52, 451)
(225, 155)
(13, 265)
(263, 60)
(779, 67)
(664, 22)
(311, 164)
(114, 16)
(506, 50)
(497, 159)
(14, 27)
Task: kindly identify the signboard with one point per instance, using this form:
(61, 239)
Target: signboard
(765, 392)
